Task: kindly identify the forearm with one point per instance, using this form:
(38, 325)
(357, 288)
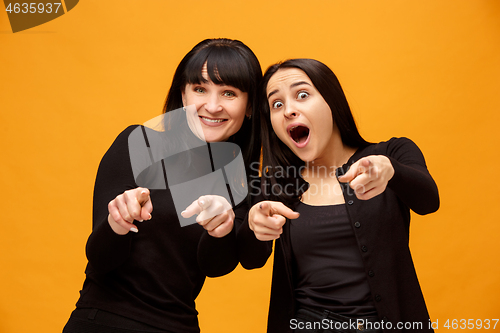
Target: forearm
(252, 253)
(107, 250)
(412, 181)
(217, 256)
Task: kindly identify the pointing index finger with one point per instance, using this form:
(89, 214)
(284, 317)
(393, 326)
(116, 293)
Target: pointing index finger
(204, 202)
(355, 170)
(198, 206)
(192, 209)
(278, 208)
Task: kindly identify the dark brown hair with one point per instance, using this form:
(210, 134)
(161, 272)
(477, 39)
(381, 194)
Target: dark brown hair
(276, 155)
(229, 62)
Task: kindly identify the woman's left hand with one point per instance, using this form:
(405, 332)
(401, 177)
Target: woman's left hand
(368, 177)
(215, 214)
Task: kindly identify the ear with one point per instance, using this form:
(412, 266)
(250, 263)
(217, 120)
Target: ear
(248, 112)
(183, 94)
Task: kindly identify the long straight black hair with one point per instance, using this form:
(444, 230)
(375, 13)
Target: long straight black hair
(277, 157)
(229, 62)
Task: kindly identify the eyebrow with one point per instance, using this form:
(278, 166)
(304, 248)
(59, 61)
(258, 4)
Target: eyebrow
(295, 84)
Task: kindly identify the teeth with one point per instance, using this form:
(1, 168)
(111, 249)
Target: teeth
(292, 128)
(213, 120)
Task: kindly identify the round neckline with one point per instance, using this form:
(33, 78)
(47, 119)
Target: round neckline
(332, 205)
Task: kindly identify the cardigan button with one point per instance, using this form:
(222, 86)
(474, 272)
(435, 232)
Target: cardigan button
(378, 298)
(350, 202)
(364, 248)
(371, 273)
(357, 224)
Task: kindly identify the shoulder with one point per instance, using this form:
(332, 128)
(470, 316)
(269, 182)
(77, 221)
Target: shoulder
(124, 135)
(401, 149)
(133, 137)
(391, 147)
(120, 145)
(394, 143)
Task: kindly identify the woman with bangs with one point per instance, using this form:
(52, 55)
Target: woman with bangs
(144, 277)
(341, 229)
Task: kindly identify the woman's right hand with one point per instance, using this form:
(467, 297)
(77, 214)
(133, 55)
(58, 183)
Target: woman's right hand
(129, 206)
(215, 214)
(266, 219)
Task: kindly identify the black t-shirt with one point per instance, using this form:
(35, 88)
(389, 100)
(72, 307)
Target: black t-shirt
(328, 270)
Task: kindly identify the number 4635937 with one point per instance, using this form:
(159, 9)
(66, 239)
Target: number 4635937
(32, 8)
(471, 324)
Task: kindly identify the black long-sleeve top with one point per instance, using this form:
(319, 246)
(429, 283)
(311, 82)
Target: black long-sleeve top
(381, 226)
(152, 276)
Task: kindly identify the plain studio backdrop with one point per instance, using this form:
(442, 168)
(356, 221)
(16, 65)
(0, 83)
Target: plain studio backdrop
(425, 69)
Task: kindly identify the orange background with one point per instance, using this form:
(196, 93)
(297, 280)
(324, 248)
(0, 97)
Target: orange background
(426, 69)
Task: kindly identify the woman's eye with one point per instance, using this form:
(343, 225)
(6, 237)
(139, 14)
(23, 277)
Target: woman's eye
(229, 94)
(199, 89)
(302, 95)
(277, 104)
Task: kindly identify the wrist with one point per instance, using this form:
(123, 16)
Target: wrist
(389, 168)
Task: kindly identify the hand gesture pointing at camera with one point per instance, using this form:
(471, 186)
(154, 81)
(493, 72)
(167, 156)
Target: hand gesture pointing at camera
(368, 177)
(214, 214)
(266, 219)
(131, 205)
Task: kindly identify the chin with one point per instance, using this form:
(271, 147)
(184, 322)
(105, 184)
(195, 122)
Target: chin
(304, 156)
(218, 138)
(210, 138)
(307, 160)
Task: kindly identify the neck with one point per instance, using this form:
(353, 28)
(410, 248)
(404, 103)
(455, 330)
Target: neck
(335, 155)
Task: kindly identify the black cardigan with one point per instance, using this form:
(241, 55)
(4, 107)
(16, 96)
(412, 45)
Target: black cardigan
(381, 226)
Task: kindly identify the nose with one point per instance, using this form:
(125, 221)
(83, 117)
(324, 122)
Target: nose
(212, 104)
(291, 112)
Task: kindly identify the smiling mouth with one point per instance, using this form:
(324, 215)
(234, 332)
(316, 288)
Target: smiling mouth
(210, 120)
(299, 133)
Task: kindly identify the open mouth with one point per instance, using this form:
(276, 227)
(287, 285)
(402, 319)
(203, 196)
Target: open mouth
(299, 134)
